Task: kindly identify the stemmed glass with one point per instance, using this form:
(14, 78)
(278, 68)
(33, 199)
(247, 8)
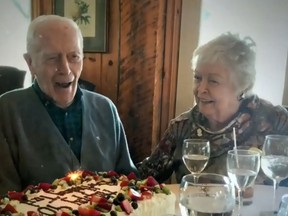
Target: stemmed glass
(242, 167)
(274, 160)
(195, 154)
(206, 194)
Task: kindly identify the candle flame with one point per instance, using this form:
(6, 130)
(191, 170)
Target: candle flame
(74, 175)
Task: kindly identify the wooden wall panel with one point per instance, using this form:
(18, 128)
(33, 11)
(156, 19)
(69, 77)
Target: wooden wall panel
(159, 75)
(40, 7)
(102, 68)
(171, 55)
(138, 42)
(92, 69)
(110, 61)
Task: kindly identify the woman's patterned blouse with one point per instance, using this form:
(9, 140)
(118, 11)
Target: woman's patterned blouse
(254, 119)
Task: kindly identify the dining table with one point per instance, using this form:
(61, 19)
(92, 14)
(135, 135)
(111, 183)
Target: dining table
(262, 203)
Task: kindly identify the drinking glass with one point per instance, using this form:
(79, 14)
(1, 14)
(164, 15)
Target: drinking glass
(206, 194)
(283, 207)
(195, 154)
(242, 167)
(274, 161)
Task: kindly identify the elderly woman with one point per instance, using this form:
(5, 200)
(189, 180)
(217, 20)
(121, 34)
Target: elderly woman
(224, 75)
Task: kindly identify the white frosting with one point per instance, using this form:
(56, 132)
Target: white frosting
(50, 202)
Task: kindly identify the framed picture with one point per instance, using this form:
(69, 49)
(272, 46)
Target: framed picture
(91, 17)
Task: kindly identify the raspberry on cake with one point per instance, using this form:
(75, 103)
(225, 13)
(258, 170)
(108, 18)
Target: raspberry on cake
(87, 193)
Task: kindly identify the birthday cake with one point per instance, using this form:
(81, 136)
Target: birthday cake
(86, 193)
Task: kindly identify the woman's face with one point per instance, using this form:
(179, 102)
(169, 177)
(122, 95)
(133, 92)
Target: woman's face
(215, 92)
(57, 62)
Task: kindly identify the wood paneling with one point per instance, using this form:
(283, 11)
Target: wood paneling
(139, 71)
(172, 41)
(40, 7)
(138, 43)
(110, 61)
(148, 70)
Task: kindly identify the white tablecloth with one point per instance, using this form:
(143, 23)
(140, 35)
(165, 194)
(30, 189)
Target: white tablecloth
(262, 200)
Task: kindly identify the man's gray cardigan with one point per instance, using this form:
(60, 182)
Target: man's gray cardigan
(32, 150)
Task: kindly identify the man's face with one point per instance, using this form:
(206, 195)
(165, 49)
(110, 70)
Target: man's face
(57, 61)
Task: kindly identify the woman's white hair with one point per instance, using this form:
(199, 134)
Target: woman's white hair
(31, 38)
(234, 53)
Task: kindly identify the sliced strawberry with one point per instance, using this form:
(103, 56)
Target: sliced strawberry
(151, 181)
(87, 173)
(112, 173)
(45, 186)
(104, 207)
(134, 195)
(146, 195)
(96, 177)
(13, 195)
(97, 199)
(32, 213)
(31, 189)
(9, 208)
(66, 178)
(126, 206)
(124, 184)
(63, 213)
(145, 188)
(132, 175)
(83, 211)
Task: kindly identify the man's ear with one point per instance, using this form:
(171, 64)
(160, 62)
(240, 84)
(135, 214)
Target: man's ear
(28, 60)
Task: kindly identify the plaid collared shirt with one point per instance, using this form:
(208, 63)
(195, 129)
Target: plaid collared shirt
(68, 120)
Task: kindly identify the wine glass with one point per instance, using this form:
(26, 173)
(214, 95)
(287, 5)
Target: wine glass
(206, 194)
(242, 167)
(195, 154)
(274, 160)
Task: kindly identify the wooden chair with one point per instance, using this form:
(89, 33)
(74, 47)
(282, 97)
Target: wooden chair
(11, 78)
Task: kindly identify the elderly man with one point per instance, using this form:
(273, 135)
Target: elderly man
(54, 126)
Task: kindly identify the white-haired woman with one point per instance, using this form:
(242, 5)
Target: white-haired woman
(224, 75)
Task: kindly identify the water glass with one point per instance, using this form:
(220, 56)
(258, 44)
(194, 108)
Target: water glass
(195, 154)
(248, 193)
(274, 161)
(283, 208)
(242, 167)
(206, 194)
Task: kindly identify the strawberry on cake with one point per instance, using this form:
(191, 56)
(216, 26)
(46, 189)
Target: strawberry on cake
(86, 193)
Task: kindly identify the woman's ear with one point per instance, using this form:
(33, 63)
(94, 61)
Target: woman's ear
(241, 96)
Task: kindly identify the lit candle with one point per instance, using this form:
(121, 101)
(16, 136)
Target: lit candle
(74, 176)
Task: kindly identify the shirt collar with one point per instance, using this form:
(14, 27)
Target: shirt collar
(46, 100)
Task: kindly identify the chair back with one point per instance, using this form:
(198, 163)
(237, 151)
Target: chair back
(11, 78)
(86, 85)
(285, 106)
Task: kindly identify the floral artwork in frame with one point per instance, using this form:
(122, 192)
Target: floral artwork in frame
(91, 17)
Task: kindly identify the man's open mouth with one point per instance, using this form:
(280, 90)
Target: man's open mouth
(63, 84)
(206, 101)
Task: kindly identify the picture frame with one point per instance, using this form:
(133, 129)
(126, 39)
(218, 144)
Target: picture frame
(91, 17)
